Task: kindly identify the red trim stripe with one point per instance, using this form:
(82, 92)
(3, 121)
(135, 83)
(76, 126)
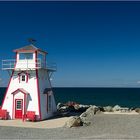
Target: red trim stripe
(38, 91)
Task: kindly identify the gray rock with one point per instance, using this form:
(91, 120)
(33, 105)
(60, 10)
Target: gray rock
(81, 108)
(99, 112)
(59, 105)
(86, 123)
(89, 113)
(137, 110)
(101, 108)
(64, 108)
(74, 122)
(116, 108)
(108, 109)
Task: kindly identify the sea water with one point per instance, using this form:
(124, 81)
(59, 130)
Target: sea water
(127, 97)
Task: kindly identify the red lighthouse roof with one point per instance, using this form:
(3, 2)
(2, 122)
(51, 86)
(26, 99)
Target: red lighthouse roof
(29, 48)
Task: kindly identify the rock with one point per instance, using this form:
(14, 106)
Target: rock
(63, 108)
(137, 110)
(116, 108)
(86, 123)
(108, 109)
(74, 122)
(81, 108)
(99, 112)
(89, 113)
(59, 105)
(125, 109)
(84, 114)
(101, 108)
(63, 111)
(71, 108)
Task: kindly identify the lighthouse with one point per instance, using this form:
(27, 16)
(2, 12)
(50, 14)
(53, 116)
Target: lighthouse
(29, 87)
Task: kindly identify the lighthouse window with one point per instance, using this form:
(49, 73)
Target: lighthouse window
(23, 56)
(49, 102)
(22, 77)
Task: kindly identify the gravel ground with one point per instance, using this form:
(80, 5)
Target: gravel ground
(102, 127)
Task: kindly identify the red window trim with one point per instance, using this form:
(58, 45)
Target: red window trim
(25, 73)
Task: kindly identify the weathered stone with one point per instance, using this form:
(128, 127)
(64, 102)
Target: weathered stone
(125, 109)
(71, 108)
(74, 122)
(99, 112)
(137, 110)
(59, 105)
(116, 108)
(108, 109)
(89, 113)
(81, 108)
(63, 108)
(86, 123)
(101, 108)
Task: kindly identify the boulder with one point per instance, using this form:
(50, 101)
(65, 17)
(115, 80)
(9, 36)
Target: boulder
(108, 109)
(99, 112)
(137, 110)
(71, 108)
(74, 121)
(63, 111)
(101, 108)
(59, 105)
(86, 123)
(89, 113)
(116, 108)
(81, 108)
(63, 108)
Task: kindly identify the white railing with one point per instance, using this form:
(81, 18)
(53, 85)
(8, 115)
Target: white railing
(27, 64)
(51, 66)
(8, 64)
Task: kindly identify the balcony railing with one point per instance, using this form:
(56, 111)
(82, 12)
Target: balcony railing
(9, 64)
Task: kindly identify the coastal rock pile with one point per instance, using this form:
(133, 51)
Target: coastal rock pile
(75, 107)
(82, 114)
(74, 121)
(108, 109)
(70, 108)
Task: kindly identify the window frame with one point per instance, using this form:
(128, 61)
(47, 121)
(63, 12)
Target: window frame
(25, 57)
(23, 77)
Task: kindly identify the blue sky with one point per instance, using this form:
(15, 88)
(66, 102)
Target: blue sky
(94, 44)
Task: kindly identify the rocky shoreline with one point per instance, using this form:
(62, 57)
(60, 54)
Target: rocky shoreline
(82, 114)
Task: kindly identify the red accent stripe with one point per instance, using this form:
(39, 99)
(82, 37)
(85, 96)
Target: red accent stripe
(37, 82)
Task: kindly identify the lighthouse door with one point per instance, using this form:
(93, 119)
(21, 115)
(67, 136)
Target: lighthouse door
(18, 108)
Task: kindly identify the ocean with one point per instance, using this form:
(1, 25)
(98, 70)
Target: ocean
(127, 97)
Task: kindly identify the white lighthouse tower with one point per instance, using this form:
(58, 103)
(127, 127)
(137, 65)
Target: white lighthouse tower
(29, 88)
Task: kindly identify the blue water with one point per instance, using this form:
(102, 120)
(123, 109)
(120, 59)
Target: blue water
(129, 97)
